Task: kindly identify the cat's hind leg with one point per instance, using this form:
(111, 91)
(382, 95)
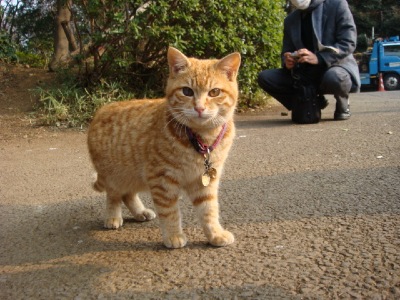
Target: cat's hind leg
(113, 211)
(137, 209)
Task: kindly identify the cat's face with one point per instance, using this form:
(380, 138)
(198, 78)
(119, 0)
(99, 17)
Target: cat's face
(202, 93)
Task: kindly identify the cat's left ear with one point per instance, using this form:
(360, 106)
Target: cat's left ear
(177, 61)
(230, 65)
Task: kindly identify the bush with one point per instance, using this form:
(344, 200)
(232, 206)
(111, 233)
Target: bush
(130, 40)
(7, 48)
(31, 59)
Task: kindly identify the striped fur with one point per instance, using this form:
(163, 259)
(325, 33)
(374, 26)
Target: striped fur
(141, 145)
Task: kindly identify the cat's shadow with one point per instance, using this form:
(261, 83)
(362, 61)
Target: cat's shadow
(56, 231)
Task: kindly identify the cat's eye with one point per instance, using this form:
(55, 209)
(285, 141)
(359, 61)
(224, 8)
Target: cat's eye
(187, 91)
(214, 92)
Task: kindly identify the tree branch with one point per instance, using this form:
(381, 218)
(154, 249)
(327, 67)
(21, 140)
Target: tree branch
(70, 37)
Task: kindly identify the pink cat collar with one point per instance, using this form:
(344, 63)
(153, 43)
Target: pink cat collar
(198, 144)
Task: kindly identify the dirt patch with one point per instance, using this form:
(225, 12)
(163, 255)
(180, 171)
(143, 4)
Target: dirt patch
(18, 101)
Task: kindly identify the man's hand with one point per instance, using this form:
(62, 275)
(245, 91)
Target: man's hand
(303, 56)
(306, 56)
(290, 61)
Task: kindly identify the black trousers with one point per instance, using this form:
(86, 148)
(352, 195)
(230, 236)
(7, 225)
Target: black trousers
(279, 83)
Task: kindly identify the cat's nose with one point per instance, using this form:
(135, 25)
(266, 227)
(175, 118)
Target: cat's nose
(199, 110)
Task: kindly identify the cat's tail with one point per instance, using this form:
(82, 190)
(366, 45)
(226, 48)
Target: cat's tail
(98, 185)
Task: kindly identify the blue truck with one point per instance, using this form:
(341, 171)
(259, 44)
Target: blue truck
(383, 59)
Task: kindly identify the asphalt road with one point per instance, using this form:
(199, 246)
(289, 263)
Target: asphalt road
(315, 210)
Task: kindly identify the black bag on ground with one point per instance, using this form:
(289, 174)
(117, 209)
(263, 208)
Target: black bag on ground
(306, 109)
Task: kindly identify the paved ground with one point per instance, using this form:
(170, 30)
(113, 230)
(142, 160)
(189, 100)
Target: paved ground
(315, 210)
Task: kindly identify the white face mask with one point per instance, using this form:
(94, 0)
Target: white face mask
(301, 4)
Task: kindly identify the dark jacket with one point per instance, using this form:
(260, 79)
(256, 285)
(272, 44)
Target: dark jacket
(333, 26)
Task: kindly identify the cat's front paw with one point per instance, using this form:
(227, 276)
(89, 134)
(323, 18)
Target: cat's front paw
(175, 241)
(113, 223)
(145, 215)
(223, 238)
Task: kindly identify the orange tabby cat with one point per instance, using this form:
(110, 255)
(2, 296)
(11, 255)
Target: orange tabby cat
(171, 147)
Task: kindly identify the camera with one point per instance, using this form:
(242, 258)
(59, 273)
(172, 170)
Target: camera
(295, 55)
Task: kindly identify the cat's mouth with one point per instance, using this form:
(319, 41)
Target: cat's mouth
(202, 115)
(195, 119)
(206, 122)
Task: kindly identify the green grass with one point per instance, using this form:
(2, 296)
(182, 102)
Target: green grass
(73, 106)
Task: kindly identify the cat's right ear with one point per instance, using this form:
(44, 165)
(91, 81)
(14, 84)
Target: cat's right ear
(230, 65)
(177, 61)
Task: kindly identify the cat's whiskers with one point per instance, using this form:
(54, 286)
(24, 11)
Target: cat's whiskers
(181, 128)
(178, 124)
(218, 120)
(171, 120)
(179, 120)
(174, 112)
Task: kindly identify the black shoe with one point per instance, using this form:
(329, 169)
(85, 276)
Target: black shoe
(340, 116)
(322, 101)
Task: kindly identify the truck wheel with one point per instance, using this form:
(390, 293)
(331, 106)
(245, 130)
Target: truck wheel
(391, 82)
